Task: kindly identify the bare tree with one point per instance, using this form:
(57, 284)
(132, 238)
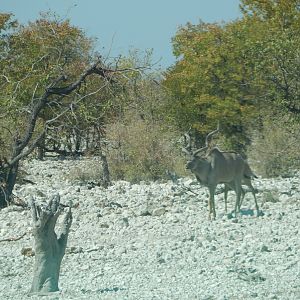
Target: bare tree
(49, 250)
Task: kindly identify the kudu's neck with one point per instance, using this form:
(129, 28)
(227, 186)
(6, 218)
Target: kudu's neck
(202, 171)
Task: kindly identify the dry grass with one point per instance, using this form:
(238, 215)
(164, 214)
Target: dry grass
(275, 150)
(143, 151)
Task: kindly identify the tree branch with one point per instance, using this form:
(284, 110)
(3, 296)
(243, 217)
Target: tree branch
(42, 102)
(13, 239)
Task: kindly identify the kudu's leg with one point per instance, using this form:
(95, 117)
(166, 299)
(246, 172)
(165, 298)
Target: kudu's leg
(231, 186)
(238, 190)
(249, 184)
(253, 193)
(226, 189)
(211, 203)
(243, 193)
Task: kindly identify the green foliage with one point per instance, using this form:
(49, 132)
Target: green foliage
(40, 52)
(32, 58)
(234, 72)
(274, 49)
(280, 13)
(210, 83)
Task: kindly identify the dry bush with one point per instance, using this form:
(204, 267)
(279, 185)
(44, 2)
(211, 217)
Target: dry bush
(275, 150)
(142, 150)
(90, 171)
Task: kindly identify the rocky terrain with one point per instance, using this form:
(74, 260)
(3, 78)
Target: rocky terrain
(154, 240)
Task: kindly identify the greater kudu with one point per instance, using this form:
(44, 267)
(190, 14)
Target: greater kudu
(213, 167)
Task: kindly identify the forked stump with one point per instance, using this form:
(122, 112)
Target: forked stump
(49, 250)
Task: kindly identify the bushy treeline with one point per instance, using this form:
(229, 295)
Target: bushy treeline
(243, 74)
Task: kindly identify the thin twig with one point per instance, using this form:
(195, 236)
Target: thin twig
(12, 239)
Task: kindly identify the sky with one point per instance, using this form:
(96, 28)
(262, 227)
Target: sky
(123, 25)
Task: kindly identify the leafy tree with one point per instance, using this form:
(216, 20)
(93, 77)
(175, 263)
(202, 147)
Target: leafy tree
(236, 72)
(36, 55)
(49, 69)
(275, 51)
(211, 80)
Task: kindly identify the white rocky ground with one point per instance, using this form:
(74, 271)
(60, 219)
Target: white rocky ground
(154, 241)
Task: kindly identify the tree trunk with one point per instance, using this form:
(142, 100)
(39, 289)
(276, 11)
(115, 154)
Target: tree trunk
(41, 148)
(77, 137)
(8, 177)
(106, 175)
(49, 250)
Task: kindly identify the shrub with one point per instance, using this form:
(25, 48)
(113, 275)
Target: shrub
(275, 150)
(143, 150)
(89, 170)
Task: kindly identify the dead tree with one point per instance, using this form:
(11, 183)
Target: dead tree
(49, 250)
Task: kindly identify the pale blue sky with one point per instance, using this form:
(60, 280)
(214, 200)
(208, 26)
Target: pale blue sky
(120, 25)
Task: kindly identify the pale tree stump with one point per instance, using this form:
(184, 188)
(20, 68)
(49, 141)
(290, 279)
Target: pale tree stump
(49, 250)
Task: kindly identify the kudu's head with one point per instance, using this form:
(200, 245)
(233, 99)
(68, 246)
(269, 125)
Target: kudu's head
(195, 160)
(198, 160)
